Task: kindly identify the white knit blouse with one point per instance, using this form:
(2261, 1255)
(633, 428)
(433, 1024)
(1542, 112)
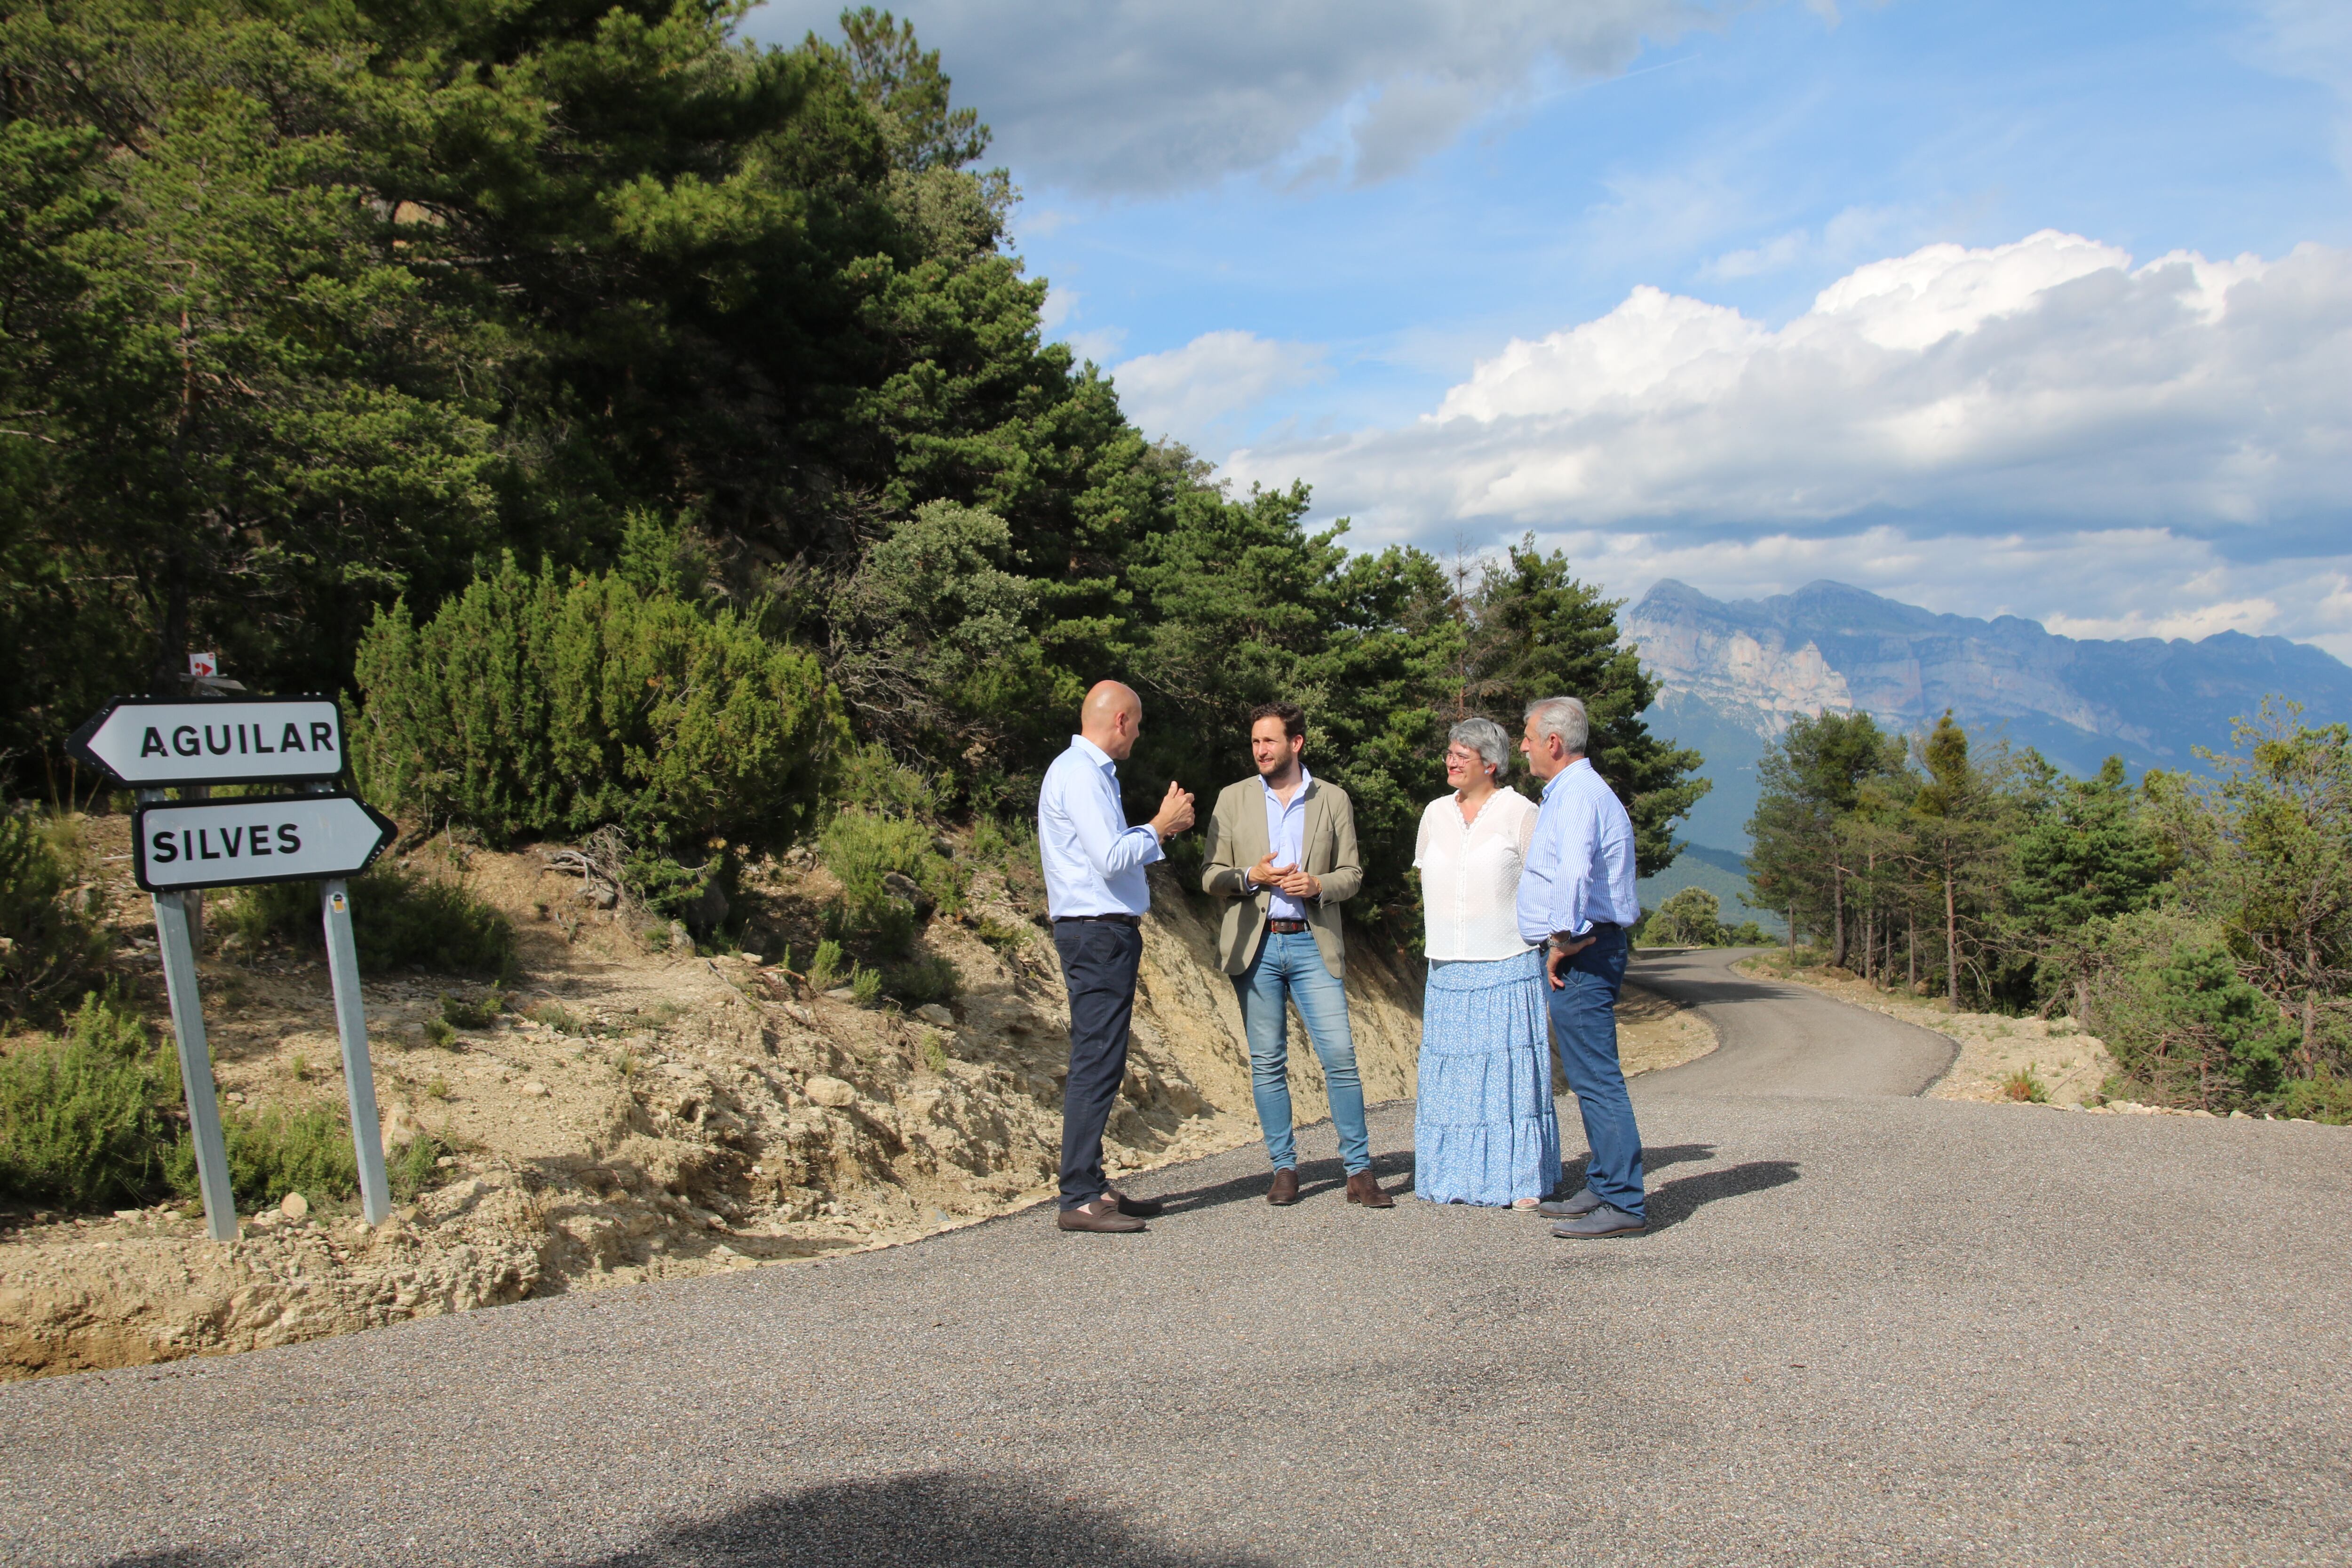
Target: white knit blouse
(1470, 875)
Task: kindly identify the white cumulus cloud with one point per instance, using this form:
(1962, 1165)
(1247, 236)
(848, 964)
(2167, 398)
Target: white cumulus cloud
(1203, 390)
(2049, 379)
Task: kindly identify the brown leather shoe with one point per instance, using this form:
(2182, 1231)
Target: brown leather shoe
(1285, 1191)
(1362, 1189)
(1102, 1215)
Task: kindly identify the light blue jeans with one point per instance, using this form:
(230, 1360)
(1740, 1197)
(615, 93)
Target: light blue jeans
(1289, 966)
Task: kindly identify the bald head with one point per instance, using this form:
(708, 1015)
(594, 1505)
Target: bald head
(1112, 718)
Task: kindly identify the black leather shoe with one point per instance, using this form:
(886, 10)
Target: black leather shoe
(1137, 1209)
(1285, 1190)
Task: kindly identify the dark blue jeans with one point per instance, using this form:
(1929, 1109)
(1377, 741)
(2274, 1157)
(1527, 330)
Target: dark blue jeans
(1584, 1029)
(1098, 963)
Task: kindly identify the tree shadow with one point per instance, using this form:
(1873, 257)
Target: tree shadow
(1677, 1200)
(918, 1522)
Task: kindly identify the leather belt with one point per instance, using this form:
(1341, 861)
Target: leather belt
(1114, 919)
(1287, 928)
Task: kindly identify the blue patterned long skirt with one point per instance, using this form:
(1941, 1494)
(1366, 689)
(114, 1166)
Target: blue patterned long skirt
(1485, 1130)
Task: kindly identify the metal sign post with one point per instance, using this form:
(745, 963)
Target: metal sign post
(359, 1073)
(178, 947)
(181, 847)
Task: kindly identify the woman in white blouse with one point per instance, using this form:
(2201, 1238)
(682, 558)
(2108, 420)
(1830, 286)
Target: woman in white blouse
(1484, 1128)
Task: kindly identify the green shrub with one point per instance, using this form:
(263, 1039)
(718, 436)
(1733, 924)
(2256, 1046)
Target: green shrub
(2184, 1026)
(867, 986)
(1690, 918)
(398, 917)
(2317, 1099)
(556, 704)
(1005, 939)
(827, 967)
(82, 1120)
(472, 1013)
(927, 979)
(872, 778)
(415, 1167)
(864, 851)
(49, 949)
(276, 1152)
(558, 1017)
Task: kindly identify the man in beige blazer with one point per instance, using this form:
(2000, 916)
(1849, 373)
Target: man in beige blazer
(1282, 854)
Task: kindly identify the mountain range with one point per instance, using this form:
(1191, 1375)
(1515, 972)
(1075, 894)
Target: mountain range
(1733, 673)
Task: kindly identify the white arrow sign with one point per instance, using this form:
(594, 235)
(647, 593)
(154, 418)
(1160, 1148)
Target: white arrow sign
(148, 743)
(235, 843)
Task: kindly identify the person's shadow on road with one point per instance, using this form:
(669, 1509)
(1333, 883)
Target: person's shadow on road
(923, 1521)
(1674, 1202)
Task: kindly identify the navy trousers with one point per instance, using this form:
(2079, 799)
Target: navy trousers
(1585, 1028)
(1099, 959)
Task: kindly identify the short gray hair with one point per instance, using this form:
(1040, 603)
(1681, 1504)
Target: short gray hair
(1486, 738)
(1564, 719)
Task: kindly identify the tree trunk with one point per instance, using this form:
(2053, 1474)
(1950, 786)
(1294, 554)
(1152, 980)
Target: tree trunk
(1837, 917)
(1911, 945)
(1951, 944)
(2310, 1006)
(1792, 931)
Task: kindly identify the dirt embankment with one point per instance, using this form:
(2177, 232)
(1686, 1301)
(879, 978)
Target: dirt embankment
(638, 1114)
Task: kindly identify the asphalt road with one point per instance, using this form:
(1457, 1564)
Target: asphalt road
(1867, 1328)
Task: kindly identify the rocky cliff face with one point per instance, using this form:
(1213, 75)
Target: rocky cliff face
(1734, 674)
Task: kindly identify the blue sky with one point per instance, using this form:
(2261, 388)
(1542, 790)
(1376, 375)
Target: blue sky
(1481, 269)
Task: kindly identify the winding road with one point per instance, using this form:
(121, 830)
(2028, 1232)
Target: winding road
(1868, 1328)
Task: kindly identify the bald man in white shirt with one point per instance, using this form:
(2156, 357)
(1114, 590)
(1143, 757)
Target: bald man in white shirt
(1097, 893)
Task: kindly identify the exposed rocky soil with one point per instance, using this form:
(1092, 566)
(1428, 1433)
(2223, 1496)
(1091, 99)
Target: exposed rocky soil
(635, 1114)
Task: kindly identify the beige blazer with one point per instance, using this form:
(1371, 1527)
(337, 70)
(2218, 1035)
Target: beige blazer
(1237, 841)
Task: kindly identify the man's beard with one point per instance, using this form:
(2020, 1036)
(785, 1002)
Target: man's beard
(1281, 765)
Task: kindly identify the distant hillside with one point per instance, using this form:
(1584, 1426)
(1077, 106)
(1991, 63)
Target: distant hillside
(1734, 674)
(1720, 872)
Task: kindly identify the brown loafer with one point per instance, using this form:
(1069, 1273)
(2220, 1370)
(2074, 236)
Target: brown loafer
(1362, 1189)
(1285, 1190)
(1102, 1215)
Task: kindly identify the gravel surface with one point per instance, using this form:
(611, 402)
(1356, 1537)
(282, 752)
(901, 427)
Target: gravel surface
(1865, 1330)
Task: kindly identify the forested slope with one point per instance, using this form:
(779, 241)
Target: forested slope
(310, 316)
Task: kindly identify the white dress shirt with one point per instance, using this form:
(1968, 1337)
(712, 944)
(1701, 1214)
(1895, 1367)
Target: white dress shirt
(1285, 835)
(1470, 876)
(1093, 860)
(1580, 865)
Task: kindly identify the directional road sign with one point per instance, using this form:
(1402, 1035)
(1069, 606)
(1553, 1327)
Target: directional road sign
(148, 743)
(236, 843)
